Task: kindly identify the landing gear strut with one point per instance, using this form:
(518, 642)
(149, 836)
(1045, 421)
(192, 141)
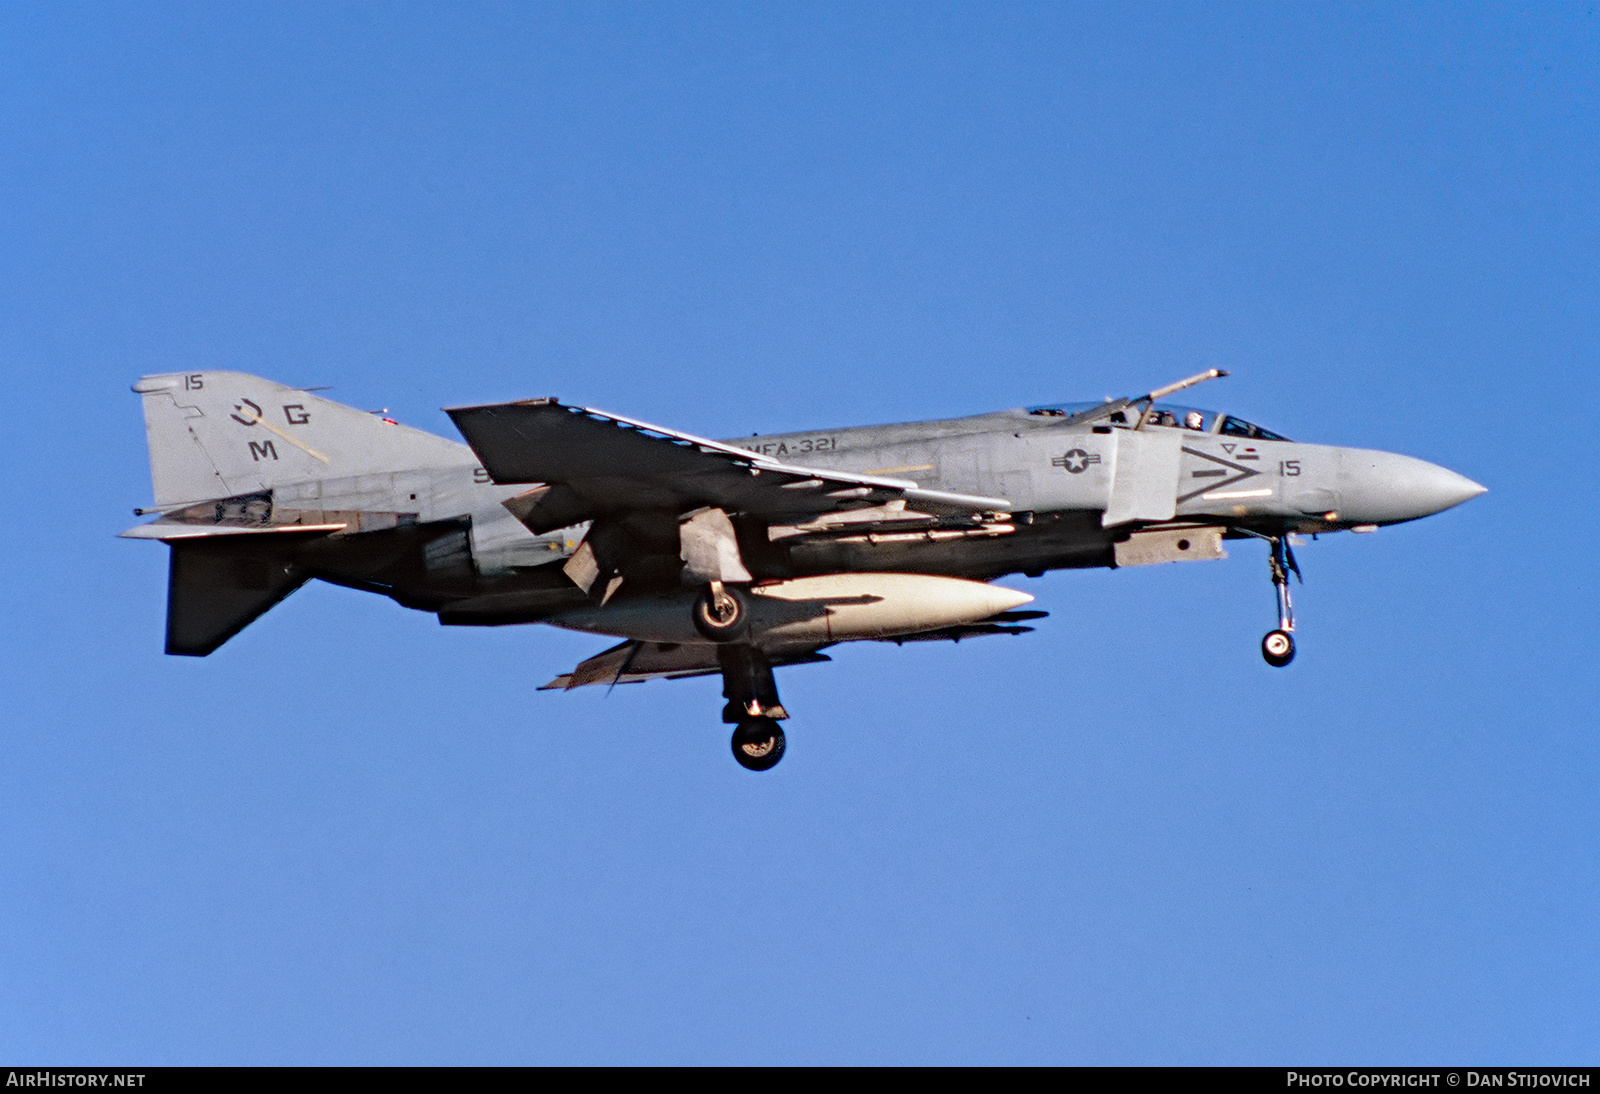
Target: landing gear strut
(1277, 648)
(753, 706)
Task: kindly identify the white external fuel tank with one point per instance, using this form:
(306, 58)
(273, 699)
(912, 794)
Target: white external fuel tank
(811, 611)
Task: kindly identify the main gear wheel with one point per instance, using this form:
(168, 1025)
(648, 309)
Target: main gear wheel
(758, 744)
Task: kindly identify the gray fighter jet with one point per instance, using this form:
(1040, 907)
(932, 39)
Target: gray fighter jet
(727, 557)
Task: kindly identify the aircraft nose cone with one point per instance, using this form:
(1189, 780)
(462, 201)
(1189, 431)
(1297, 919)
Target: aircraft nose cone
(1386, 488)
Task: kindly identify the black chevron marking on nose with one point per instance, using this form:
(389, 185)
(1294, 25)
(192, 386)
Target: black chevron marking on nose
(1208, 474)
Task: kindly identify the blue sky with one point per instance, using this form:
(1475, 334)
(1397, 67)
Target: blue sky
(353, 836)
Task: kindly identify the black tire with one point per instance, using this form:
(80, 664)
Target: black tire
(758, 744)
(721, 618)
(1277, 648)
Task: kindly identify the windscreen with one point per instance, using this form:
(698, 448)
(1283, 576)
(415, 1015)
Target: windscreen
(1238, 427)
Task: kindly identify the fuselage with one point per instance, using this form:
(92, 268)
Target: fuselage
(1076, 491)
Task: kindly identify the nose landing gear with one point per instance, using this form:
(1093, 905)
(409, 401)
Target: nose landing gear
(1277, 648)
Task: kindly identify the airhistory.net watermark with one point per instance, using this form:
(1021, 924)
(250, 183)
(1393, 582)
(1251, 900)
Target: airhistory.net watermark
(44, 1077)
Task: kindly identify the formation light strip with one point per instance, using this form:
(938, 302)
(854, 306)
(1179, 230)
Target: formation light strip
(1219, 495)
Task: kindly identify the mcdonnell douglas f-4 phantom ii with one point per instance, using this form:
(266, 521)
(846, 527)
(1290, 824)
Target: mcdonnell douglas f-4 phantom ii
(726, 557)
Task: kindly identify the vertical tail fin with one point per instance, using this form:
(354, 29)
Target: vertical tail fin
(224, 434)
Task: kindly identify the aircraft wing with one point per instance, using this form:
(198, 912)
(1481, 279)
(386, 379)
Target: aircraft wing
(636, 662)
(588, 463)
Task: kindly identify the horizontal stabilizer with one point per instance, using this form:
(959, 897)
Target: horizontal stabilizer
(169, 530)
(218, 586)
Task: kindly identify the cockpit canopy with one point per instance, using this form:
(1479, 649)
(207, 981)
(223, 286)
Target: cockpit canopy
(1170, 415)
(1238, 427)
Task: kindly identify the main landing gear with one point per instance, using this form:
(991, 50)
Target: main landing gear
(1277, 648)
(753, 707)
(721, 615)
